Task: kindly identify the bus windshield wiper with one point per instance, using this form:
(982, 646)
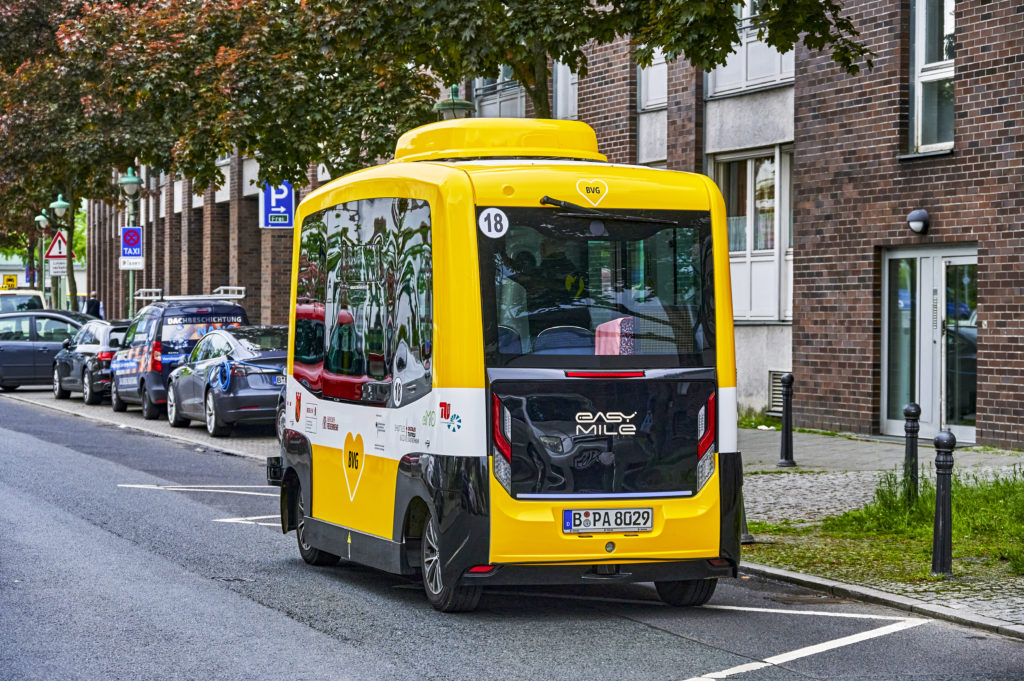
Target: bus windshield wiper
(585, 212)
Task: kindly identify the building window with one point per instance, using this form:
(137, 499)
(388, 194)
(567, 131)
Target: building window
(756, 187)
(653, 84)
(566, 89)
(499, 97)
(934, 53)
(754, 64)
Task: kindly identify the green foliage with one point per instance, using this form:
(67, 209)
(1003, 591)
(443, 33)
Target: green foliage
(462, 39)
(750, 418)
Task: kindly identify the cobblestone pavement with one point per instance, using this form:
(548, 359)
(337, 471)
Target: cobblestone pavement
(254, 441)
(773, 498)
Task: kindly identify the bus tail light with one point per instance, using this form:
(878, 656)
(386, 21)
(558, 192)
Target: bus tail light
(501, 427)
(705, 441)
(155, 359)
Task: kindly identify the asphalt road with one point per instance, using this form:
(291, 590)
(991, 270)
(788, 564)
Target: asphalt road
(128, 556)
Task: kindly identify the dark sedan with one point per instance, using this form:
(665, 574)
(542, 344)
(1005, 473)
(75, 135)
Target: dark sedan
(83, 365)
(231, 376)
(30, 340)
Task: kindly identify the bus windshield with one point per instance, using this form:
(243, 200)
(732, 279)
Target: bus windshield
(563, 290)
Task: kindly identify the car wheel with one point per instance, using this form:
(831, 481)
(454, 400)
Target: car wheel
(116, 403)
(174, 417)
(444, 597)
(58, 390)
(150, 410)
(89, 395)
(214, 426)
(686, 592)
(311, 555)
(282, 421)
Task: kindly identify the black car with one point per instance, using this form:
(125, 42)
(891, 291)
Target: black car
(232, 376)
(83, 365)
(30, 340)
(158, 339)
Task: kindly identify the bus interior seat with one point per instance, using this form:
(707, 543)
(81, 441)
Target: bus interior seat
(509, 342)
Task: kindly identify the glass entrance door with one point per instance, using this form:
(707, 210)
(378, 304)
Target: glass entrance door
(929, 344)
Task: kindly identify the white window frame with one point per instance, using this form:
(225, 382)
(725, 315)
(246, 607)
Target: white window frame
(747, 29)
(648, 96)
(927, 73)
(504, 90)
(565, 88)
(780, 256)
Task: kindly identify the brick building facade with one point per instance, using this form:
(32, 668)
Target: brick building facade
(819, 171)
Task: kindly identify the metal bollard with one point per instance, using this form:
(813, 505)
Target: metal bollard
(912, 413)
(786, 456)
(942, 543)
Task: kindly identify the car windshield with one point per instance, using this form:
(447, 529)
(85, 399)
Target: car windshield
(262, 339)
(564, 289)
(17, 302)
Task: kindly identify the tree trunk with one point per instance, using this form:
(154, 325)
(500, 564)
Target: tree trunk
(72, 284)
(539, 92)
(31, 269)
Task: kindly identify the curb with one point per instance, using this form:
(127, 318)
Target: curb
(869, 595)
(171, 436)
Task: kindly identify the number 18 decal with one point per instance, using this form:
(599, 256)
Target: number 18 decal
(493, 222)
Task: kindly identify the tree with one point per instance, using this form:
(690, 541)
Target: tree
(462, 39)
(226, 75)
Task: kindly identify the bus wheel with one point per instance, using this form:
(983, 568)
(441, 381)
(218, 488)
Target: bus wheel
(309, 554)
(444, 597)
(686, 591)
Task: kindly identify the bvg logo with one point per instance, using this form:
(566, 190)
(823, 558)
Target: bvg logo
(604, 423)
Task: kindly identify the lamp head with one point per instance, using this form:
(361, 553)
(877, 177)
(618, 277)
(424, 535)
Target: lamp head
(129, 183)
(60, 206)
(42, 221)
(453, 107)
(918, 220)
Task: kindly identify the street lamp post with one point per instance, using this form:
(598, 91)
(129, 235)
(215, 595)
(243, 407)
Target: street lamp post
(60, 208)
(130, 186)
(42, 221)
(453, 107)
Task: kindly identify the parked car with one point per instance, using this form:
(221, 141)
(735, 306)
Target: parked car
(232, 376)
(83, 365)
(30, 340)
(157, 340)
(21, 300)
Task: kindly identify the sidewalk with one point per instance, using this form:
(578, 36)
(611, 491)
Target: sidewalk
(835, 474)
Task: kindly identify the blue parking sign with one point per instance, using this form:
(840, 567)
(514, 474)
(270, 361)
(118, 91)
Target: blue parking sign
(131, 242)
(277, 207)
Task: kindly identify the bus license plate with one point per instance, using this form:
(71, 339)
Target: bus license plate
(584, 520)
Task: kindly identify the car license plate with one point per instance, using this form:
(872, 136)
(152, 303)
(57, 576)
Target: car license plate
(587, 520)
(279, 379)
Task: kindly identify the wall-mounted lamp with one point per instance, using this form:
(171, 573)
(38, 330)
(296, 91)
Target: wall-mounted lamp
(918, 220)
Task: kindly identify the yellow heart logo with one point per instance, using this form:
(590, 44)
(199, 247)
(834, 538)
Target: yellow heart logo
(593, 191)
(353, 463)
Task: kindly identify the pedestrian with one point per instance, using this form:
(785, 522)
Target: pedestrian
(93, 306)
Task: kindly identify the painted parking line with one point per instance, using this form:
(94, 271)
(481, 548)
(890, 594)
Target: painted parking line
(222, 489)
(253, 520)
(900, 624)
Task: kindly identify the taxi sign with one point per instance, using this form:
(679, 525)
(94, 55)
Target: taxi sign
(10, 281)
(131, 249)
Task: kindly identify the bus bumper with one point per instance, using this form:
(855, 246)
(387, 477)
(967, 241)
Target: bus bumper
(509, 575)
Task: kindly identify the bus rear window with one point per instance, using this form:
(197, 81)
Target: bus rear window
(563, 290)
(180, 333)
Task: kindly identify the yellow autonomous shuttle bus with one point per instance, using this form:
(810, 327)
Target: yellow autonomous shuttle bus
(512, 363)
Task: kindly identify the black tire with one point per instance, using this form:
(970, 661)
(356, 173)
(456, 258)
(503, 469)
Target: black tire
(281, 421)
(444, 597)
(116, 403)
(311, 555)
(58, 390)
(89, 394)
(686, 592)
(10, 388)
(214, 425)
(174, 416)
(150, 410)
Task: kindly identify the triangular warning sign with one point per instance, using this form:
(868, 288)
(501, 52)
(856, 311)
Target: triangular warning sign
(58, 247)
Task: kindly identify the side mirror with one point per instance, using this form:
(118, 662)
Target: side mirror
(66, 344)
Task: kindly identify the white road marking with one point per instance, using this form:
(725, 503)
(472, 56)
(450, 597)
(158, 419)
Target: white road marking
(252, 520)
(906, 623)
(223, 489)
